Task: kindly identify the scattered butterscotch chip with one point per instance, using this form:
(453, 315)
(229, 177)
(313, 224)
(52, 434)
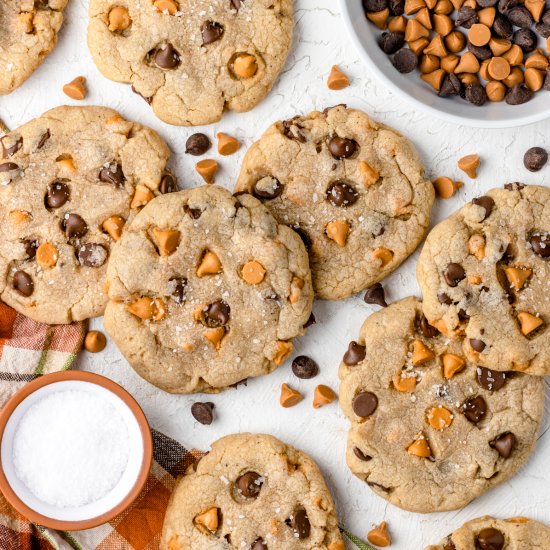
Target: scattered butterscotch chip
(383, 254)
(439, 418)
(421, 353)
(517, 277)
(76, 89)
(245, 65)
(282, 351)
(142, 195)
(380, 18)
(289, 397)
(296, 286)
(469, 164)
(416, 30)
(227, 145)
(435, 78)
(370, 175)
(537, 61)
(446, 187)
(536, 8)
(397, 24)
(498, 68)
(420, 447)
(514, 55)
(474, 279)
(119, 19)
(337, 80)
(215, 336)
(413, 6)
(167, 239)
(516, 77)
(66, 162)
(404, 384)
(19, 216)
(208, 519)
(207, 169)
(148, 308)
(323, 396)
(95, 341)
(528, 322)
(428, 63)
(418, 46)
(534, 79)
(487, 16)
(495, 90)
(423, 16)
(46, 255)
(338, 231)
(166, 6)
(479, 34)
(468, 64)
(210, 264)
(443, 25)
(253, 272)
(499, 46)
(114, 226)
(455, 41)
(379, 536)
(449, 63)
(452, 364)
(436, 47)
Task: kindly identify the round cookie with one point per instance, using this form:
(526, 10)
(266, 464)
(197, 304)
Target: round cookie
(485, 274)
(191, 60)
(28, 33)
(353, 189)
(431, 431)
(497, 534)
(68, 181)
(252, 492)
(206, 289)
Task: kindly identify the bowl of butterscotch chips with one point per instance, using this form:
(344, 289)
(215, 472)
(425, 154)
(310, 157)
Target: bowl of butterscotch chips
(483, 63)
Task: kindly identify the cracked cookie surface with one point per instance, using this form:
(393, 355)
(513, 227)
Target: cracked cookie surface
(252, 491)
(485, 273)
(497, 534)
(69, 180)
(353, 189)
(206, 289)
(28, 33)
(430, 430)
(191, 60)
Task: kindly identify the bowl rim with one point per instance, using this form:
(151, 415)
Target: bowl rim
(129, 401)
(427, 109)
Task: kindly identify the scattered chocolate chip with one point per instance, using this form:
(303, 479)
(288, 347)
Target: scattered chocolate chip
(12, 149)
(474, 409)
(526, 39)
(374, 5)
(167, 184)
(487, 3)
(236, 4)
(376, 295)
(45, 137)
(341, 194)
(397, 7)
(8, 166)
(194, 213)
(361, 455)
(449, 544)
(303, 235)
(92, 254)
(178, 286)
(258, 544)
(504, 444)
(466, 17)
(249, 484)
(342, 148)
(203, 412)
(300, 524)
(304, 367)
(310, 321)
(520, 16)
(502, 27)
(217, 314)
(22, 282)
(477, 344)
(74, 226)
(268, 188)
(57, 195)
(462, 315)
(364, 404)
(491, 380)
(390, 42)
(540, 243)
(427, 330)
(490, 539)
(451, 86)
(454, 273)
(519, 94)
(30, 248)
(505, 5)
(211, 31)
(505, 285)
(514, 186)
(444, 298)
(355, 354)
(327, 109)
(292, 129)
(481, 52)
(543, 29)
(487, 203)
(476, 94)
(378, 486)
(147, 100)
(112, 174)
(197, 144)
(535, 158)
(166, 57)
(405, 61)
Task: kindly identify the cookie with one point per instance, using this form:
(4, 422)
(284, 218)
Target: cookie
(28, 33)
(206, 289)
(488, 533)
(69, 180)
(430, 430)
(353, 189)
(485, 274)
(192, 60)
(252, 492)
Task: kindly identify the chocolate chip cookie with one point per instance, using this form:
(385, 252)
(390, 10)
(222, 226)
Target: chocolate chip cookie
(431, 430)
(191, 60)
(354, 191)
(252, 492)
(69, 181)
(485, 274)
(488, 533)
(28, 33)
(206, 289)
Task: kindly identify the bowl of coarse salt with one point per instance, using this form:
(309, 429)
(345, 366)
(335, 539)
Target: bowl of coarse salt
(75, 450)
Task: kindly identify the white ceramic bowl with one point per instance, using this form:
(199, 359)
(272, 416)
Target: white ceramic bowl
(411, 88)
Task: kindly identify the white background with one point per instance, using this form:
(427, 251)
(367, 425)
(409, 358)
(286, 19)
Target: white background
(320, 42)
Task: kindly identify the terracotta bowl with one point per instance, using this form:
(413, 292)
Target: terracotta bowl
(128, 487)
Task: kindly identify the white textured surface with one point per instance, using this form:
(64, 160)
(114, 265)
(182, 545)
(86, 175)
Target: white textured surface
(320, 42)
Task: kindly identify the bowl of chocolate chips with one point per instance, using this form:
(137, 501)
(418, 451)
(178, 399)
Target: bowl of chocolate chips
(483, 63)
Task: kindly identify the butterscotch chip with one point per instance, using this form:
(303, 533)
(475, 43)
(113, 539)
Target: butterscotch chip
(439, 418)
(476, 246)
(517, 277)
(499, 46)
(95, 341)
(468, 64)
(534, 79)
(215, 336)
(449, 63)
(208, 519)
(443, 7)
(486, 16)
(452, 364)
(142, 196)
(166, 6)
(469, 78)
(415, 30)
(536, 8)
(210, 264)
(537, 61)
(296, 286)
(414, 6)
(245, 65)
(479, 34)
(338, 231)
(207, 169)
(282, 351)
(474, 279)
(379, 536)
(495, 90)
(167, 239)
(428, 63)
(253, 272)
(370, 175)
(147, 308)
(323, 396)
(421, 353)
(46, 255)
(484, 70)
(446, 187)
(528, 322)
(498, 68)
(379, 18)
(337, 80)
(516, 77)
(289, 397)
(397, 24)
(455, 41)
(404, 383)
(424, 17)
(434, 79)
(420, 447)
(19, 216)
(227, 145)
(383, 254)
(66, 162)
(419, 45)
(514, 55)
(114, 226)
(436, 47)
(76, 89)
(118, 19)
(443, 25)
(469, 164)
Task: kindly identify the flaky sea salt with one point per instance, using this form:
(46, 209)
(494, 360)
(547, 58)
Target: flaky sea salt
(71, 448)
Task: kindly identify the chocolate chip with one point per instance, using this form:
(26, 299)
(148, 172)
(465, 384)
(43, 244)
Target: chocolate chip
(12, 149)
(487, 3)
(454, 273)
(203, 412)
(167, 184)
(521, 17)
(341, 194)
(444, 298)
(475, 409)
(505, 5)
(540, 243)
(514, 186)
(249, 484)
(178, 286)
(502, 27)
(466, 17)
(504, 444)
(374, 5)
(535, 159)
(477, 345)
(425, 328)
(491, 380)
(310, 321)
(490, 539)
(475, 94)
(361, 455)
(304, 367)
(355, 354)
(166, 57)
(364, 404)
(543, 29)
(405, 61)
(211, 31)
(378, 486)
(451, 86)
(147, 100)
(197, 144)
(194, 213)
(487, 203)
(217, 314)
(300, 524)
(519, 94)
(342, 148)
(390, 42)
(303, 235)
(74, 226)
(30, 248)
(546, 17)
(92, 254)
(112, 174)
(397, 7)
(8, 166)
(236, 4)
(57, 195)
(45, 137)
(292, 129)
(268, 188)
(449, 544)
(22, 282)
(505, 285)
(526, 39)
(376, 295)
(481, 52)
(258, 544)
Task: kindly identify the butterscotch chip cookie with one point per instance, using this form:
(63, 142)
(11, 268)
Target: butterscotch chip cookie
(206, 289)
(192, 59)
(69, 180)
(28, 33)
(497, 534)
(252, 491)
(430, 430)
(354, 190)
(485, 274)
